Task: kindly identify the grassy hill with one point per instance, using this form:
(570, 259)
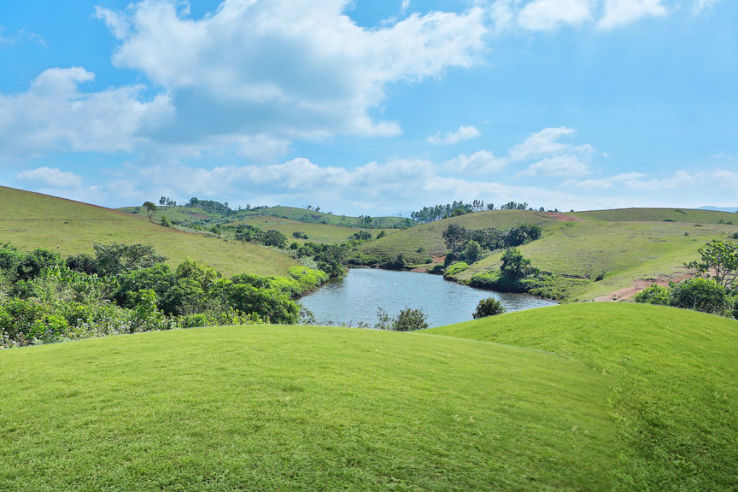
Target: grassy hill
(628, 246)
(661, 215)
(624, 251)
(201, 217)
(672, 377)
(428, 239)
(591, 397)
(299, 408)
(31, 220)
(319, 233)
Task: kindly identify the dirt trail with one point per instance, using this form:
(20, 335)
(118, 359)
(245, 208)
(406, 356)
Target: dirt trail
(562, 216)
(639, 285)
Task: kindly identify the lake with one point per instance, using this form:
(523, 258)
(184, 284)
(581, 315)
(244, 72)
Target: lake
(356, 298)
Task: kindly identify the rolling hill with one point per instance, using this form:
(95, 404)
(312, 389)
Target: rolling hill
(32, 220)
(672, 377)
(586, 396)
(629, 247)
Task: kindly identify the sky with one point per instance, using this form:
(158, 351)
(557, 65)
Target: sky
(367, 107)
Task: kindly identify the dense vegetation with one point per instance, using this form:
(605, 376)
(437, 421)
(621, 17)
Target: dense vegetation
(127, 289)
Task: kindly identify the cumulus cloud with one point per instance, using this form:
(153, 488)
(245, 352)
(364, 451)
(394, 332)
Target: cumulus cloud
(542, 15)
(450, 138)
(554, 158)
(702, 5)
(54, 115)
(482, 161)
(47, 177)
(287, 68)
(618, 13)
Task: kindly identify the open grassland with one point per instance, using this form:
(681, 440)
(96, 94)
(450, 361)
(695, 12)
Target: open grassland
(31, 220)
(304, 215)
(300, 408)
(428, 239)
(661, 215)
(673, 379)
(623, 251)
(318, 233)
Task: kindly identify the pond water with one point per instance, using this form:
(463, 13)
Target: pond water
(357, 296)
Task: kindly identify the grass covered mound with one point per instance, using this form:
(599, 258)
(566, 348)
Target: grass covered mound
(32, 220)
(295, 407)
(673, 380)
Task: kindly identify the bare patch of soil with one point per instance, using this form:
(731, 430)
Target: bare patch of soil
(564, 217)
(640, 284)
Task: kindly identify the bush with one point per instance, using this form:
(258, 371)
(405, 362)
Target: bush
(437, 270)
(407, 320)
(488, 307)
(654, 294)
(410, 320)
(456, 268)
(699, 294)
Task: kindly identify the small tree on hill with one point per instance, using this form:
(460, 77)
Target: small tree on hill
(719, 261)
(150, 209)
(515, 265)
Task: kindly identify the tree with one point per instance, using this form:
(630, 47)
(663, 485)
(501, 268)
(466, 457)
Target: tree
(514, 264)
(719, 261)
(406, 320)
(472, 252)
(150, 209)
(115, 258)
(488, 307)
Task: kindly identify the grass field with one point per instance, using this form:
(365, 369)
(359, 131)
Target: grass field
(319, 233)
(661, 215)
(31, 220)
(584, 397)
(299, 408)
(672, 378)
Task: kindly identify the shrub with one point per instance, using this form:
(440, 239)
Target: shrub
(488, 307)
(699, 294)
(407, 320)
(437, 270)
(410, 320)
(654, 294)
(456, 268)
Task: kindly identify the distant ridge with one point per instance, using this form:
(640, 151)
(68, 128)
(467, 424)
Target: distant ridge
(720, 209)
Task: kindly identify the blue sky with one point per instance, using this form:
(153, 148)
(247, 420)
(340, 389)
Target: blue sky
(372, 107)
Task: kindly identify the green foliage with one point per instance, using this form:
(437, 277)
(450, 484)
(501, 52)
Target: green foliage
(116, 258)
(654, 294)
(407, 319)
(699, 294)
(514, 266)
(150, 209)
(455, 268)
(472, 251)
(719, 261)
(488, 307)
(273, 237)
(398, 263)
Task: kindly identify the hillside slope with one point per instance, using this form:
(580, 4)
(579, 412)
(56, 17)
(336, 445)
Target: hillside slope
(300, 408)
(427, 237)
(673, 383)
(32, 220)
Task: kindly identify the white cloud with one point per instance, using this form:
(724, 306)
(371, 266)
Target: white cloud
(542, 15)
(47, 177)
(53, 115)
(285, 68)
(618, 13)
(450, 138)
(482, 161)
(562, 165)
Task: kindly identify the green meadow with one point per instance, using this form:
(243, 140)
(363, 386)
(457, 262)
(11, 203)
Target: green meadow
(31, 220)
(586, 396)
(319, 233)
